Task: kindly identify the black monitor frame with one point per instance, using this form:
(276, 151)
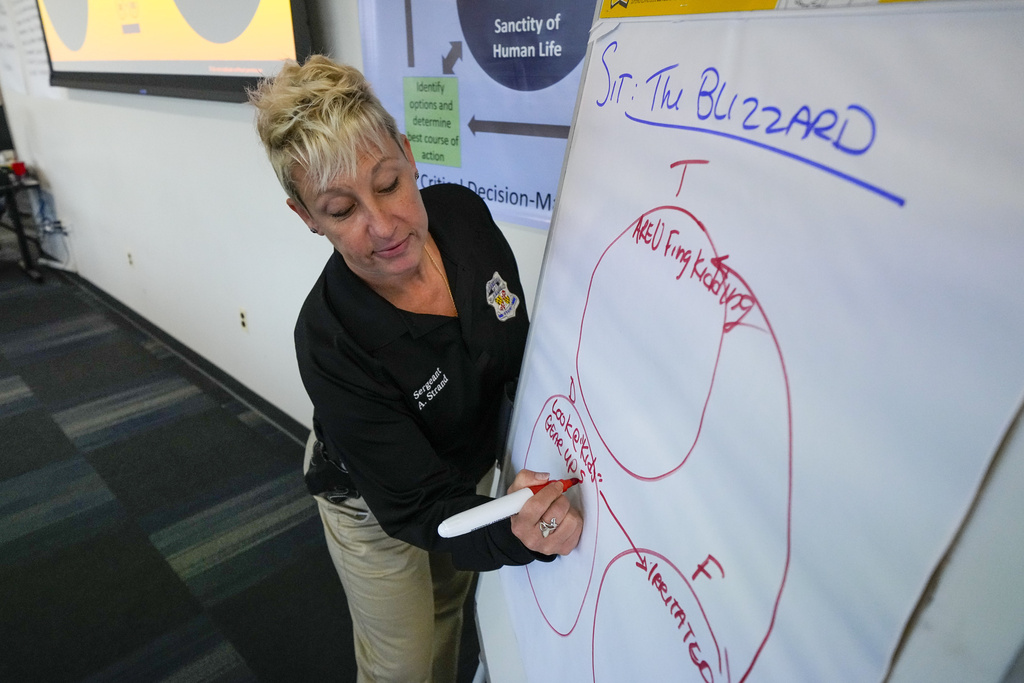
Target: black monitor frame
(6, 141)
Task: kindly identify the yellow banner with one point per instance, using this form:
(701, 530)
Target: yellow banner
(156, 30)
(616, 9)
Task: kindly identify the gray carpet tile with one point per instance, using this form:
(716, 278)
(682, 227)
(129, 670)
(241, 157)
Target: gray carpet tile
(30, 439)
(15, 396)
(154, 525)
(147, 404)
(196, 652)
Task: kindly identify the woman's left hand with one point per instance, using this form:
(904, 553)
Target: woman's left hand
(547, 506)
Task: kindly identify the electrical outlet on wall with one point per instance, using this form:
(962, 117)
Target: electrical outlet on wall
(243, 319)
(131, 261)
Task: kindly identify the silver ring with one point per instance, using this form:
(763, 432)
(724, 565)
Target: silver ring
(547, 527)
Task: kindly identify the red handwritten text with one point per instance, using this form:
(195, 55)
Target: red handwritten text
(708, 270)
(570, 441)
(679, 614)
(702, 568)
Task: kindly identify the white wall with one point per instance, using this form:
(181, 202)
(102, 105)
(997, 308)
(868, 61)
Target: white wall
(184, 187)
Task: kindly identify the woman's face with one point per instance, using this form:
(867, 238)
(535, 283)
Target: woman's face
(374, 218)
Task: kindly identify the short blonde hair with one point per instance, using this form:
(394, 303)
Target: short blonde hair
(319, 116)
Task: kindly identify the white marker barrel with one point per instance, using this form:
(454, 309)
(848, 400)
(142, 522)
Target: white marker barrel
(482, 515)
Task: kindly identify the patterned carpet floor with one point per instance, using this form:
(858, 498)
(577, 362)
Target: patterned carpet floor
(153, 520)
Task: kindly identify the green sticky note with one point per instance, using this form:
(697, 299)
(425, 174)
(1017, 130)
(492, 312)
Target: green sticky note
(432, 119)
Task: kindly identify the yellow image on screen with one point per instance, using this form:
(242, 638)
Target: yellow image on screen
(156, 30)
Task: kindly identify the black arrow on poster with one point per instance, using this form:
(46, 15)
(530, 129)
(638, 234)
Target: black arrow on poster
(537, 130)
(454, 55)
(410, 53)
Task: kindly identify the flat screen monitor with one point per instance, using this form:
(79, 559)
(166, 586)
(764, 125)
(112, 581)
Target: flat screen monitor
(203, 49)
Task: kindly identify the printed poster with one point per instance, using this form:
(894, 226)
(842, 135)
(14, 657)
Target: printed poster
(485, 91)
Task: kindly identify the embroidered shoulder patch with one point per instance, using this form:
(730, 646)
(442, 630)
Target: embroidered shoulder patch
(504, 302)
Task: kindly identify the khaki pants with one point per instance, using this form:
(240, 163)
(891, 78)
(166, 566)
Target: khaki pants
(406, 604)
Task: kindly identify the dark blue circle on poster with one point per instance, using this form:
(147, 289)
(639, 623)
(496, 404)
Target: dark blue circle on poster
(527, 44)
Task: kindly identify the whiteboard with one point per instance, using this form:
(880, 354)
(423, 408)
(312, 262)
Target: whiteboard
(779, 333)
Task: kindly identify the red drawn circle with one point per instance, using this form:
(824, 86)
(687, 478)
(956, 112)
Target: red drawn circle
(558, 588)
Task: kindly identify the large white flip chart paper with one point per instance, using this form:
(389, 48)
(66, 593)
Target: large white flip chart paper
(779, 333)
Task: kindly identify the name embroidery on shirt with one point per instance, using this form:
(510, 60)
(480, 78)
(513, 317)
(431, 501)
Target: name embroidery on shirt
(431, 388)
(504, 302)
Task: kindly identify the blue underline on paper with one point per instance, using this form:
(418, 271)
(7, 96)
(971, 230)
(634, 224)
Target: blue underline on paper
(896, 199)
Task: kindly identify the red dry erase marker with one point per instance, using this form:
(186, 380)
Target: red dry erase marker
(495, 510)
(566, 485)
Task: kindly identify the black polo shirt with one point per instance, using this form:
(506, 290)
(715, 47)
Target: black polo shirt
(410, 401)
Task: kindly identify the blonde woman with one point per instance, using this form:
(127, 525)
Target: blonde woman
(405, 346)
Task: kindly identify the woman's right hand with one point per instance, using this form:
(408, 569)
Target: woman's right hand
(550, 503)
